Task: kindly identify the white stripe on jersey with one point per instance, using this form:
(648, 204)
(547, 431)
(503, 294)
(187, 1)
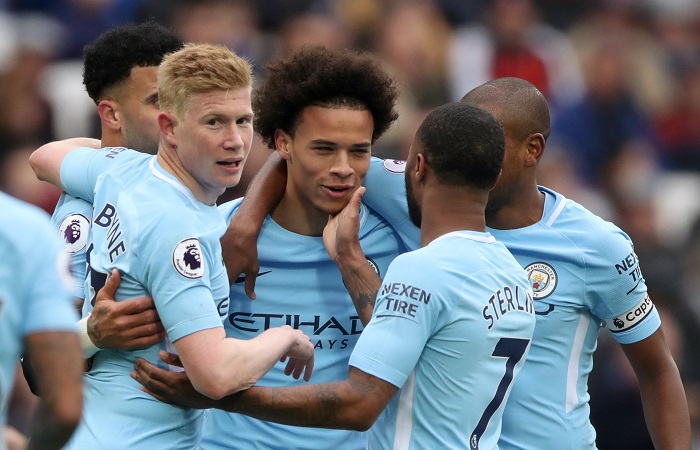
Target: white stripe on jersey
(572, 373)
(556, 212)
(404, 416)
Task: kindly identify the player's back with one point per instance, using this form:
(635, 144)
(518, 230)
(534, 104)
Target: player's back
(462, 307)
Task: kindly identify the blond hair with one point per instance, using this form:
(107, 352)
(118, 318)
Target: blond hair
(196, 69)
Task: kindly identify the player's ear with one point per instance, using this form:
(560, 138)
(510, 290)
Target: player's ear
(110, 115)
(535, 149)
(167, 123)
(421, 167)
(283, 143)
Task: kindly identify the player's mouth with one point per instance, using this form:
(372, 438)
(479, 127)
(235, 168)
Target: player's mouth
(338, 191)
(231, 165)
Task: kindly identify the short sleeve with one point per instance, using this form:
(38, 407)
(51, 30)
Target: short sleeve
(616, 288)
(391, 344)
(81, 168)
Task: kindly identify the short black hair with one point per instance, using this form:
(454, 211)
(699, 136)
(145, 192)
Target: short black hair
(317, 76)
(463, 144)
(110, 58)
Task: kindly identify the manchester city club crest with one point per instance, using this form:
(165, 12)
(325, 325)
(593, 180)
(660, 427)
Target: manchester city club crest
(73, 231)
(543, 279)
(187, 258)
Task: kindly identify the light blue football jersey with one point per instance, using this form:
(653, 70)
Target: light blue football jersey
(71, 218)
(166, 244)
(298, 285)
(584, 274)
(35, 287)
(451, 328)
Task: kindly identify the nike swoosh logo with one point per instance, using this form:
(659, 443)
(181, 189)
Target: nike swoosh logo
(241, 279)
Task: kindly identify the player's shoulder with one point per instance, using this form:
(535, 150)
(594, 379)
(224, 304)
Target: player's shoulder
(576, 222)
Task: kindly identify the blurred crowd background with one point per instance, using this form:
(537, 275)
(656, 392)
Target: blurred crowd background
(622, 78)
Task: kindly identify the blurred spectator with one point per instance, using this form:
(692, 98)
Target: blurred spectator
(17, 178)
(232, 23)
(84, 19)
(679, 126)
(606, 122)
(626, 26)
(513, 41)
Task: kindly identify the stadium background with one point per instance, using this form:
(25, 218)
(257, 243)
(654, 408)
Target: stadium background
(622, 78)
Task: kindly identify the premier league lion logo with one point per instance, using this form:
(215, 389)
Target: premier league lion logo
(192, 257)
(74, 232)
(187, 258)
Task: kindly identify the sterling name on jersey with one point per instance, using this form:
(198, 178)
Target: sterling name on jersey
(584, 274)
(451, 328)
(166, 245)
(35, 285)
(298, 285)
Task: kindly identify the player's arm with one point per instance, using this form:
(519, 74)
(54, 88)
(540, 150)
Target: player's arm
(219, 366)
(58, 367)
(239, 242)
(352, 404)
(341, 237)
(127, 325)
(46, 160)
(663, 396)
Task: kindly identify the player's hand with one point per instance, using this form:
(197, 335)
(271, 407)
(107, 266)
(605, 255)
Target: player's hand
(174, 388)
(128, 324)
(301, 356)
(341, 234)
(239, 246)
(14, 440)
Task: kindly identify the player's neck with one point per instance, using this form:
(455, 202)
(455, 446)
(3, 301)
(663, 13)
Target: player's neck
(522, 209)
(450, 209)
(171, 163)
(299, 215)
(111, 138)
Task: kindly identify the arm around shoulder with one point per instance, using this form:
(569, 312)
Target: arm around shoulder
(46, 160)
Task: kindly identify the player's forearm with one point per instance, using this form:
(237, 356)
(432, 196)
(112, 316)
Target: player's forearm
(50, 431)
(666, 410)
(327, 405)
(361, 280)
(231, 365)
(58, 365)
(46, 160)
(264, 191)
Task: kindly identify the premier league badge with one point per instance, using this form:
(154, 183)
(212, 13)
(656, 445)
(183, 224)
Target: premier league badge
(187, 258)
(74, 232)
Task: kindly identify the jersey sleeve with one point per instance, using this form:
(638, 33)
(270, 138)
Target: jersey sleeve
(229, 208)
(177, 260)
(616, 289)
(71, 222)
(405, 315)
(49, 299)
(386, 194)
(81, 168)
